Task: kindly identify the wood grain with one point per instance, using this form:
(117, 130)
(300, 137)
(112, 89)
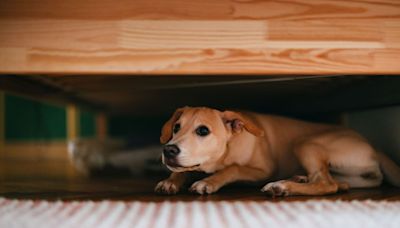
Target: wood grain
(200, 37)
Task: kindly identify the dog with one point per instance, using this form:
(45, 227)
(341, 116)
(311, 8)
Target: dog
(297, 157)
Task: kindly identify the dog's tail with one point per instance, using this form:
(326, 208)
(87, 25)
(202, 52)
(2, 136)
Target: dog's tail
(391, 170)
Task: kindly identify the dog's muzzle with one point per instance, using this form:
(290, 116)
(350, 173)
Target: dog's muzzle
(171, 151)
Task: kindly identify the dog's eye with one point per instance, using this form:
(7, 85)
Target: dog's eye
(202, 131)
(177, 127)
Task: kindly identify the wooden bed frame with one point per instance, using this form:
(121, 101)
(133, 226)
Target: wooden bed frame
(200, 37)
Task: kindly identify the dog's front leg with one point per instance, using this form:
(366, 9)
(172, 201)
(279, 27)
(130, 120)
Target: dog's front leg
(172, 184)
(228, 175)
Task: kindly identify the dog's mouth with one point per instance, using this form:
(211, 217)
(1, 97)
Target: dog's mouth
(180, 168)
(183, 167)
(175, 166)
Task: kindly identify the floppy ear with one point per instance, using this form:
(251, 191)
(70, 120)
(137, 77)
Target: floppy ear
(238, 121)
(166, 131)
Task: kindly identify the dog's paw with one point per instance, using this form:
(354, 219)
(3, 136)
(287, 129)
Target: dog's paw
(203, 187)
(278, 188)
(166, 187)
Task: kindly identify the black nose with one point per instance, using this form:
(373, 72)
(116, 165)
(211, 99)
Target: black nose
(171, 151)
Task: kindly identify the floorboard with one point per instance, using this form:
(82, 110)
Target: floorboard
(141, 189)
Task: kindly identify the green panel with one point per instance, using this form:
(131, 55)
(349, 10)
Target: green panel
(87, 124)
(27, 119)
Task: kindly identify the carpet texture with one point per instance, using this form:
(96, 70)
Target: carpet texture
(313, 213)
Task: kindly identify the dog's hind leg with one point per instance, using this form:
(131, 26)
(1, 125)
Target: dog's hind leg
(320, 182)
(367, 178)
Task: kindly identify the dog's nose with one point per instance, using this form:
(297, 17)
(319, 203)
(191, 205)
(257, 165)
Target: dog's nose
(171, 151)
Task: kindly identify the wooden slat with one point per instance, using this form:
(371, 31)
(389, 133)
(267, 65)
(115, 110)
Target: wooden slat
(72, 122)
(160, 95)
(17, 170)
(200, 37)
(2, 130)
(130, 189)
(36, 151)
(101, 126)
(35, 160)
(200, 9)
(2, 119)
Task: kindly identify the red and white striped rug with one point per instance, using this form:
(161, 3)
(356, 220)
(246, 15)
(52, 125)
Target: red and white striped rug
(313, 213)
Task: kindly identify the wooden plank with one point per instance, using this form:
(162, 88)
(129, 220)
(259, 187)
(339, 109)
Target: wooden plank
(200, 9)
(101, 126)
(54, 170)
(372, 93)
(200, 37)
(41, 88)
(160, 95)
(2, 130)
(72, 122)
(36, 151)
(2, 120)
(37, 184)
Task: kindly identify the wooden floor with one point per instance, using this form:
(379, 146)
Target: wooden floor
(142, 189)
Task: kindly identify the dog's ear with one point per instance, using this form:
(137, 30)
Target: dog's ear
(238, 121)
(166, 131)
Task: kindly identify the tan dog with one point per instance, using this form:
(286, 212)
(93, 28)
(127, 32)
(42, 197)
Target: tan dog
(254, 147)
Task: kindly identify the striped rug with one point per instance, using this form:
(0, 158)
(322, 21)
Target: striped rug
(27, 213)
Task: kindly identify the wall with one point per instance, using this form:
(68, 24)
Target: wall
(381, 126)
(29, 120)
(36, 130)
(34, 134)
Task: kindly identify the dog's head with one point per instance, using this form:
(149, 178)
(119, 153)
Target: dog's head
(194, 136)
